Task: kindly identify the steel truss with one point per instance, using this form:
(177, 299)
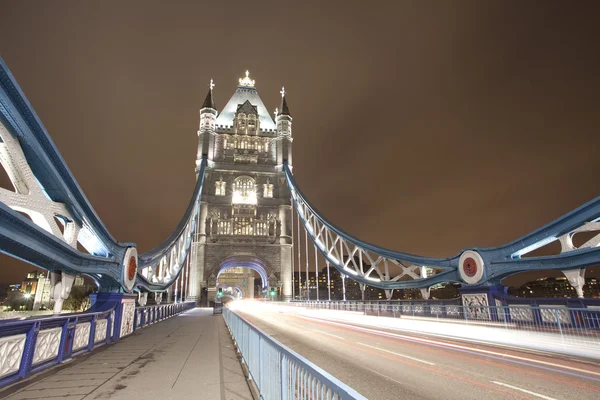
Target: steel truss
(386, 269)
(48, 216)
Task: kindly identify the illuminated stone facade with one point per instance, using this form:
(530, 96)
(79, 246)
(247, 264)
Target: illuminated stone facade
(245, 213)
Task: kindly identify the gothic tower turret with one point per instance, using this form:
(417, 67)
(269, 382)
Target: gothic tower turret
(208, 117)
(283, 120)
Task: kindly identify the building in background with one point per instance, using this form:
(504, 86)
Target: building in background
(352, 288)
(557, 287)
(37, 287)
(33, 293)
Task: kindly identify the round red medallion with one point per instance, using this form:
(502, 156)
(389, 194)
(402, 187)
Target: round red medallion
(469, 267)
(131, 268)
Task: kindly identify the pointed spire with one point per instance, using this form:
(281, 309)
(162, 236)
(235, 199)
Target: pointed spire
(284, 110)
(209, 101)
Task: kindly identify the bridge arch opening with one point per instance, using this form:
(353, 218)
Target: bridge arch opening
(239, 272)
(230, 293)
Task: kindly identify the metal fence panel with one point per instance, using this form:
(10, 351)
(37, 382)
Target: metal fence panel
(280, 373)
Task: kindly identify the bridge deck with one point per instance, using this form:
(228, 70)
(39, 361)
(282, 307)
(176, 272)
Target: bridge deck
(188, 356)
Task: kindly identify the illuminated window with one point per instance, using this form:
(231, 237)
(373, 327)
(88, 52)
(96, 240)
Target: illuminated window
(252, 124)
(220, 187)
(241, 123)
(268, 190)
(244, 190)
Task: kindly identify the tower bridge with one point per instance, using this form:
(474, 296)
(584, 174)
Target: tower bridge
(241, 214)
(243, 225)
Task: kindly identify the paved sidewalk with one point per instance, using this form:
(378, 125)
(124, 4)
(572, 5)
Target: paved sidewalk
(190, 356)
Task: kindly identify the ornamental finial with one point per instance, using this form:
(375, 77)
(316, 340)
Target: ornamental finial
(247, 81)
(211, 85)
(282, 91)
(276, 111)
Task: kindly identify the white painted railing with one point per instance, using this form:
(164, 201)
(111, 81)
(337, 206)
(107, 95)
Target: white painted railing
(279, 372)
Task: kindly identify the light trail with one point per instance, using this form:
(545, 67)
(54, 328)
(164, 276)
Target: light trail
(396, 354)
(388, 354)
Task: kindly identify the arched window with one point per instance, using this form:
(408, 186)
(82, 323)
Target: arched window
(241, 123)
(252, 124)
(268, 189)
(244, 190)
(220, 186)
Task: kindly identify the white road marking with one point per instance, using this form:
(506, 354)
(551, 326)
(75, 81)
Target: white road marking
(387, 377)
(329, 334)
(397, 354)
(445, 344)
(541, 396)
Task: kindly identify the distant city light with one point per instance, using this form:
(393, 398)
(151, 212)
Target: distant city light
(27, 295)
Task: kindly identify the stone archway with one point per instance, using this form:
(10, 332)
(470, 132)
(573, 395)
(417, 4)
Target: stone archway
(250, 262)
(239, 271)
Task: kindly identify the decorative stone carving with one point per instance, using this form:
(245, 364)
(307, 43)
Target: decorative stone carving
(130, 267)
(476, 306)
(82, 335)
(521, 314)
(11, 352)
(47, 344)
(452, 311)
(100, 333)
(127, 318)
(549, 314)
(471, 267)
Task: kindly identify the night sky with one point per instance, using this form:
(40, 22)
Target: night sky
(421, 126)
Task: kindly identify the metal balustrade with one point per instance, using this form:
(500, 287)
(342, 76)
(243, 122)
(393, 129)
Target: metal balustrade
(243, 226)
(573, 325)
(32, 345)
(279, 372)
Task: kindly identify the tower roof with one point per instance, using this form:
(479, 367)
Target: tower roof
(245, 92)
(284, 107)
(209, 101)
(247, 108)
(284, 110)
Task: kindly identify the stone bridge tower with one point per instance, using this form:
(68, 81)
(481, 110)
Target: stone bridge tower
(245, 212)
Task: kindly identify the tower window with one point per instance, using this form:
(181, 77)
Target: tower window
(268, 190)
(220, 186)
(244, 190)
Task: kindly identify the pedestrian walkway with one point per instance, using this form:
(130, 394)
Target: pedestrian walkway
(190, 356)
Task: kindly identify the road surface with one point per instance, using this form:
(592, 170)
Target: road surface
(391, 364)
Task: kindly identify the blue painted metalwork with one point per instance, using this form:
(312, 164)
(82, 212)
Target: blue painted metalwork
(103, 309)
(21, 238)
(499, 262)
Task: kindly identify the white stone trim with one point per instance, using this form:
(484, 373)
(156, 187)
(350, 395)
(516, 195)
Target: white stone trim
(127, 317)
(100, 332)
(11, 352)
(82, 335)
(47, 345)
